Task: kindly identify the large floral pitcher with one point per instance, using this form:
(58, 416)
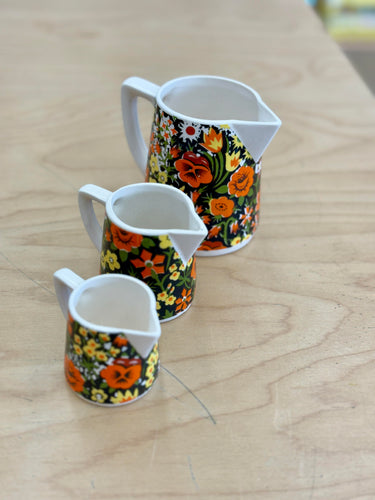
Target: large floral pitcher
(207, 139)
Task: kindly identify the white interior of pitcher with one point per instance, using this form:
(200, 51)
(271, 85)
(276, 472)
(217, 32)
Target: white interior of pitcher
(210, 98)
(152, 207)
(112, 301)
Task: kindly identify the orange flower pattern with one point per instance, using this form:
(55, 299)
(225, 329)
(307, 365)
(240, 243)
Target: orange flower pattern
(107, 369)
(222, 206)
(241, 181)
(123, 239)
(212, 166)
(121, 377)
(213, 141)
(73, 375)
(151, 259)
(148, 263)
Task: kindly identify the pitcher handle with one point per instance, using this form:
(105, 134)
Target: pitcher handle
(65, 282)
(86, 195)
(131, 89)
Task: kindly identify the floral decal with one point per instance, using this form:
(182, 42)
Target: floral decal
(154, 260)
(213, 167)
(105, 368)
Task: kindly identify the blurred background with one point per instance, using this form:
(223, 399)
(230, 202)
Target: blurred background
(352, 24)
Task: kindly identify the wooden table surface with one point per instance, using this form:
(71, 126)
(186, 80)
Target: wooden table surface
(267, 384)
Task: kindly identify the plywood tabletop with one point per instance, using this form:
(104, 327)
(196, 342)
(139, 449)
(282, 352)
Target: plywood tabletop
(266, 389)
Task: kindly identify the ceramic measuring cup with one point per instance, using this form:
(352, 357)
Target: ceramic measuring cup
(207, 137)
(111, 353)
(150, 231)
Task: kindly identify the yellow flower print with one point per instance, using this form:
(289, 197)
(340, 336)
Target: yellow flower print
(176, 256)
(165, 242)
(174, 276)
(104, 337)
(213, 141)
(150, 371)
(98, 395)
(170, 300)
(90, 351)
(82, 331)
(162, 296)
(154, 166)
(113, 351)
(123, 397)
(153, 358)
(182, 267)
(189, 262)
(111, 260)
(101, 356)
(151, 179)
(77, 339)
(162, 177)
(158, 306)
(102, 259)
(232, 161)
(172, 268)
(248, 155)
(78, 349)
(236, 241)
(237, 143)
(149, 382)
(91, 343)
(224, 126)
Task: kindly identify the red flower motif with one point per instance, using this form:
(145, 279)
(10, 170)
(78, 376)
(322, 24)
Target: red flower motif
(234, 227)
(121, 377)
(211, 245)
(174, 152)
(194, 196)
(120, 341)
(125, 240)
(193, 169)
(70, 324)
(149, 263)
(193, 272)
(246, 216)
(214, 231)
(73, 375)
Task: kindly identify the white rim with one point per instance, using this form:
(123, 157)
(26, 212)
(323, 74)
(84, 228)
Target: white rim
(76, 293)
(148, 187)
(168, 85)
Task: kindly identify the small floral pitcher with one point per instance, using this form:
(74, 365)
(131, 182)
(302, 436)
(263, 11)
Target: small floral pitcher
(207, 138)
(150, 231)
(111, 353)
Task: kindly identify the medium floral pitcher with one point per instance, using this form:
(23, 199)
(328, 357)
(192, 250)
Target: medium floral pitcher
(151, 232)
(207, 138)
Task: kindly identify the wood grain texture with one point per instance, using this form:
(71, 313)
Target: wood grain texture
(267, 384)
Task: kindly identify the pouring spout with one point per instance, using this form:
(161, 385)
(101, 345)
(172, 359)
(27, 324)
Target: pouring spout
(187, 242)
(143, 342)
(257, 135)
